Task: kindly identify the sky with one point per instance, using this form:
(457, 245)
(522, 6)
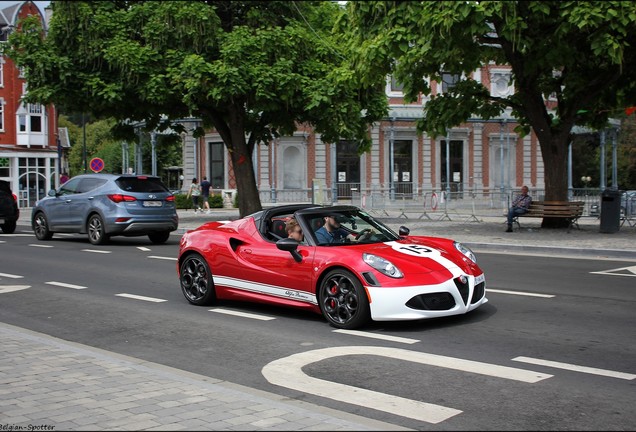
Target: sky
(41, 4)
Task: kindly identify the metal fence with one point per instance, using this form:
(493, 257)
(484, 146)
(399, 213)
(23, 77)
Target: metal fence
(432, 204)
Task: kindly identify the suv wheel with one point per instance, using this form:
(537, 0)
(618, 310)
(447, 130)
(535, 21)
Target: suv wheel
(96, 231)
(41, 227)
(159, 237)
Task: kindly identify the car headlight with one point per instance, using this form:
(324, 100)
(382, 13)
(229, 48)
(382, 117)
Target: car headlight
(383, 266)
(466, 251)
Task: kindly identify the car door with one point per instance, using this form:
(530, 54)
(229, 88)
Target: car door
(57, 208)
(270, 271)
(82, 202)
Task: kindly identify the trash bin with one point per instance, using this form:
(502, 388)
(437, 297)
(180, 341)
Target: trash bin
(610, 210)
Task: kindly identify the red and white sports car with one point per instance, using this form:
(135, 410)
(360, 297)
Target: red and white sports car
(372, 273)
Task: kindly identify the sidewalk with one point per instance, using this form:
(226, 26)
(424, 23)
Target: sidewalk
(48, 384)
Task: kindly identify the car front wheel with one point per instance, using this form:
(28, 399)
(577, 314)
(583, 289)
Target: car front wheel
(196, 280)
(41, 227)
(96, 230)
(343, 301)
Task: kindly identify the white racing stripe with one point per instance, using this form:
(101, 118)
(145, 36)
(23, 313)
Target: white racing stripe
(65, 285)
(575, 368)
(521, 293)
(377, 336)
(138, 297)
(242, 314)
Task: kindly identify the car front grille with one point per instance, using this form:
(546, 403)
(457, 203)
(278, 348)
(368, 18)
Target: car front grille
(432, 301)
(479, 292)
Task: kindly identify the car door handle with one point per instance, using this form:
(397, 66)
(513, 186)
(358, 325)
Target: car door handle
(67, 201)
(90, 198)
(247, 251)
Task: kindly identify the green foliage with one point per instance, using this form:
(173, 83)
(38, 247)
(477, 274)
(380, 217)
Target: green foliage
(183, 202)
(248, 69)
(581, 53)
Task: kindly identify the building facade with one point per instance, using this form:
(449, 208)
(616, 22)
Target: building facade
(477, 157)
(30, 156)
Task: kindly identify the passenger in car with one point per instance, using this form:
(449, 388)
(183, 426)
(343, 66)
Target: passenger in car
(294, 231)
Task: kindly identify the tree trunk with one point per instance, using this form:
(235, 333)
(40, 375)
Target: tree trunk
(555, 161)
(249, 200)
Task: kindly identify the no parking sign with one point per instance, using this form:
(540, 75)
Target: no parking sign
(97, 164)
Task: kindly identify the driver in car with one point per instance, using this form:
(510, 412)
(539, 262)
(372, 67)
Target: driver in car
(331, 232)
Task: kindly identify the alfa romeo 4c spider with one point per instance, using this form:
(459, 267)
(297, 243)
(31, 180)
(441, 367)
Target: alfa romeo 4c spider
(341, 262)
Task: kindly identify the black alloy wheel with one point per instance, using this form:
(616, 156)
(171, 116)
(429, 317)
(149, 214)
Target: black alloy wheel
(343, 301)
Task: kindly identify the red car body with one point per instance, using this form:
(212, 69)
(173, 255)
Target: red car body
(386, 276)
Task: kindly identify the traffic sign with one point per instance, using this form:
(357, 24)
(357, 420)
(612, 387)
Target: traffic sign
(97, 164)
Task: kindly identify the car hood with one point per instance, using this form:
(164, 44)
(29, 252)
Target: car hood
(417, 254)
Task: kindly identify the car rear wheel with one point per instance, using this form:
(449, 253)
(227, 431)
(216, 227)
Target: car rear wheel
(159, 237)
(196, 280)
(96, 231)
(41, 227)
(343, 301)
(9, 227)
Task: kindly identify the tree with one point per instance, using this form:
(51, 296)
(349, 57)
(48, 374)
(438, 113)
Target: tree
(252, 70)
(582, 55)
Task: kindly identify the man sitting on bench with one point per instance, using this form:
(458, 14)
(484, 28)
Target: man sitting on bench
(519, 206)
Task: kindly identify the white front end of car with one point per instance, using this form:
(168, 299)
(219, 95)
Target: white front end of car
(457, 295)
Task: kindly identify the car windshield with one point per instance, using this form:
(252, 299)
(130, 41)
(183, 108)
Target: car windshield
(356, 223)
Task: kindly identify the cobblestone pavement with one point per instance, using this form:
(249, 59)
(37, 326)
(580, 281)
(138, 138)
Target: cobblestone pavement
(52, 384)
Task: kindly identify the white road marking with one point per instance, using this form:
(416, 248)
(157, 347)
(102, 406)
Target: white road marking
(378, 336)
(143, 248)
(40, 245)
(17, 235)
(521, 293)
(65, 285)
(568, 366)
(11, 276)
(138, 297)
(97, 251)
(162, 258)
(287, 372)
(243, 314)
(11, 288)
(621, 271)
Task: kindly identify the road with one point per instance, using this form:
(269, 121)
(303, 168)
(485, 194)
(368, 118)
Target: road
(552, 350)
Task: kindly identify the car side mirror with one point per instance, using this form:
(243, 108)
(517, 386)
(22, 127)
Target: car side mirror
(404, 231)
(52, 193)
(291, 246)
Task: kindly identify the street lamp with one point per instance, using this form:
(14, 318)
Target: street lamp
(586, 180)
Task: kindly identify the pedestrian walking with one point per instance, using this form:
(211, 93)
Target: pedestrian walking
(205, 193)
(195, 193)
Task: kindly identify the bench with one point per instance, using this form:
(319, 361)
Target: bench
(570, 210)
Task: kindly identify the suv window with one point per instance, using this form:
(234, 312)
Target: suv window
(70, 187)
(88, 184)
(141, 184)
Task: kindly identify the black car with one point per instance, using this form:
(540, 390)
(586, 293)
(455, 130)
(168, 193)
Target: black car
(9, 211)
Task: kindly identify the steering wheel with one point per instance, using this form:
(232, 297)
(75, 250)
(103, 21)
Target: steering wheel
(364, 234)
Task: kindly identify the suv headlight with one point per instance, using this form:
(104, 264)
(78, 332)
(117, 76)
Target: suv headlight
(383, 266)
(466, 251)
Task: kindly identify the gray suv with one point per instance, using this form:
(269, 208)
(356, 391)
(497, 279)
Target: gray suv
(107, 205)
